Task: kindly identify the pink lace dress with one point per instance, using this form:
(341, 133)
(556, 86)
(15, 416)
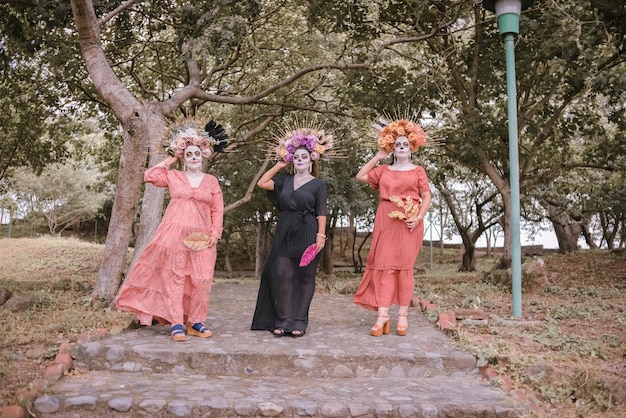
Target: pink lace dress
(170, 282)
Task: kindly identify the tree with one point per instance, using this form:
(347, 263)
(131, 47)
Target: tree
(34, 125)
(473, 203)
(561, 71)
(214, 42)
(63, 194)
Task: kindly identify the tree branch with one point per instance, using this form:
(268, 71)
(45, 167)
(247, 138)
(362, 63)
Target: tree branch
(246, 197)
(253, 99)
(115, 12)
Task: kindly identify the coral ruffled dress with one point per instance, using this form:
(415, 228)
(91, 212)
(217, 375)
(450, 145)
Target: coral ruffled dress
(388, 277)
(170, 282)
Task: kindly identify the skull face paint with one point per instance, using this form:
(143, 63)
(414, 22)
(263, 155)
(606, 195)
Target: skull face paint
(192, 156)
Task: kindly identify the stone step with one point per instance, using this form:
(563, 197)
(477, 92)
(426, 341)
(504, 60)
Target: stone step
(185, 394)
(260, 354)
(336, 370)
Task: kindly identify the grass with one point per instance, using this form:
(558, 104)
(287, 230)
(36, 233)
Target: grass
(567, 352)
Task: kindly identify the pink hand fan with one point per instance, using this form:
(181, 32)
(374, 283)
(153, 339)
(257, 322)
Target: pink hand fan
(308, 255)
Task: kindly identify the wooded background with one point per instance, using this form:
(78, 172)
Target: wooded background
(89, 88)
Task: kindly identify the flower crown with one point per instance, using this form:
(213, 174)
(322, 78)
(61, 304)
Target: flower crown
(389, 132)
(316, 141)
(212, 138)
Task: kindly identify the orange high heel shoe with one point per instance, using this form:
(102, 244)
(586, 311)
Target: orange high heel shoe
(401, 330)
(378, 330)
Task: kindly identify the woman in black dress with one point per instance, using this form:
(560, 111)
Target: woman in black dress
(286, 288)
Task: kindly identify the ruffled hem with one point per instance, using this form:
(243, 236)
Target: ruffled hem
(383, 288)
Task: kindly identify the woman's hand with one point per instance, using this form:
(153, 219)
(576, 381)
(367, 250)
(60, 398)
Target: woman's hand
(170, 160)
(281, 164)
(212, 242)
(412, 223)
(381, 155)
(320, 242)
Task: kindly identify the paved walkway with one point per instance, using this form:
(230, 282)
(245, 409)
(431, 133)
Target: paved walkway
(336, 370)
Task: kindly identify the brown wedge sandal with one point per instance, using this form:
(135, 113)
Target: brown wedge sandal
(401, 330)
(378, 330)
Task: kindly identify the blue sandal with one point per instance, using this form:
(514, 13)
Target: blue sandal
(178, 332)
(199, 330)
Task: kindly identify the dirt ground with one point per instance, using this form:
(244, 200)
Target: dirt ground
(568, 350)
(566, 353)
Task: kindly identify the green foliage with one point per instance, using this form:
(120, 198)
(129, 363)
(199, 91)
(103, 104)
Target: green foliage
(441, 59)
(62, 194)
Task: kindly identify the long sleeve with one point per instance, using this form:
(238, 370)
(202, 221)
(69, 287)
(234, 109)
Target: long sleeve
(157, 175)
(217, 209)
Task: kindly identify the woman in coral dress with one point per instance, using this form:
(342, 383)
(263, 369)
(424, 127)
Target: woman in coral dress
(404, 198)
(171, 280)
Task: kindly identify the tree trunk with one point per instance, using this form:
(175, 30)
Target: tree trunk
(135, 121)
(567, 236)
(469, 259)
(130, 178)
(260, 248)
(326, 264)
(566, 229)
(153, 197)
(227, 264)
(588, 238)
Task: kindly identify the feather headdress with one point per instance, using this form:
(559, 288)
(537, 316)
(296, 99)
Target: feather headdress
(208, 137)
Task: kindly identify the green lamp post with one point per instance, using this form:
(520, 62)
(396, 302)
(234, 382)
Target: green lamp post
(508, 12)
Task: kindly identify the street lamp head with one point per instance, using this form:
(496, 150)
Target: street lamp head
(508, 12)
(499, 6)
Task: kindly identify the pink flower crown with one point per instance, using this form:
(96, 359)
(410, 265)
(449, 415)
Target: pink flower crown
(189, 137)
(212, 138)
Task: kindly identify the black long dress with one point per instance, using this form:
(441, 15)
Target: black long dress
(286, 289)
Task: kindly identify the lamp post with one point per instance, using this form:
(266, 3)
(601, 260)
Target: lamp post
(430, 225)
(508, 12)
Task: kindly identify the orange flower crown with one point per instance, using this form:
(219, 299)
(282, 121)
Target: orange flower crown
(389, 132)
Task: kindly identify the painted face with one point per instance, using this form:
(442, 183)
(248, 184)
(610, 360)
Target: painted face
(193, 156)
(302, 160)
(402, 146)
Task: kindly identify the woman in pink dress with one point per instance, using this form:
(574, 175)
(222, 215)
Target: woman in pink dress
(171, 280)
(404, 198)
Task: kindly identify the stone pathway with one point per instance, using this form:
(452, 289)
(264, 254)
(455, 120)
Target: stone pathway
(336, 370)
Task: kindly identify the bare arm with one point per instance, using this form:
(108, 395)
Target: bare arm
(425, 205)
(320, 238)
(266, 182)
(369, 166)
(168, 161)
(412, 223)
